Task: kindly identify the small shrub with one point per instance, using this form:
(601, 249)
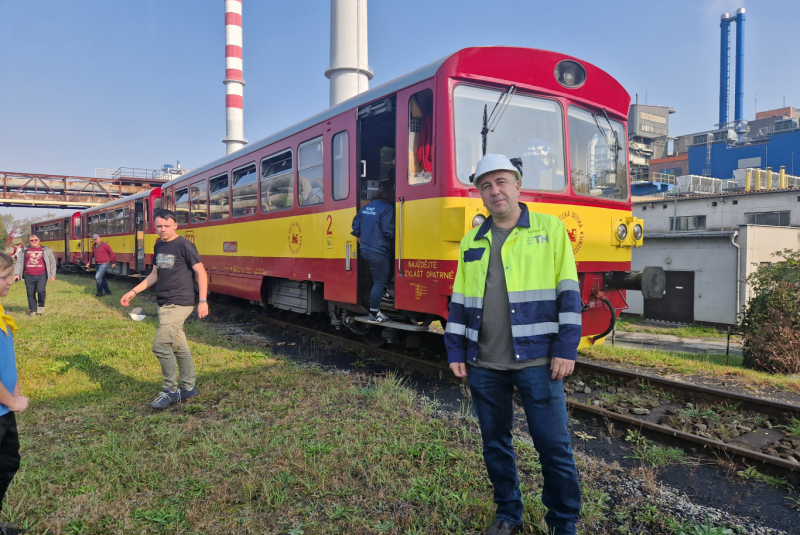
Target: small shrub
(771, 321)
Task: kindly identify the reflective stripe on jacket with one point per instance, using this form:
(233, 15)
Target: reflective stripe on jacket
(543, 291)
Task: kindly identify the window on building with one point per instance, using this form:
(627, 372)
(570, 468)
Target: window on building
(276, 182)
(182, 206)
(692, 222)
(774, 219)
(309, 173)
(119, 222)
(244, 191)
(199, 204)
(420, 137)
(341, 165)
(219, 203)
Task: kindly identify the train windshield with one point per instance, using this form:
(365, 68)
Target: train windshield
(599, 166)
(529, 128)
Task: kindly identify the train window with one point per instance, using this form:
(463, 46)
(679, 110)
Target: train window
(118, 219)
(598, 161)
(529, 128)
(219, 205)
(244, 191)
(341, 165)
(199, 198)
(127, 218)
(78, 233)
(420, 137)
(110, 221)
(277, 185)
(309, 173)
(156, 204)
(182, 206)
(101, 225)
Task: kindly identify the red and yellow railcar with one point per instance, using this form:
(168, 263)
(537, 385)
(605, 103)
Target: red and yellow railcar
(126, 225)
(272, 221)
(62, 235)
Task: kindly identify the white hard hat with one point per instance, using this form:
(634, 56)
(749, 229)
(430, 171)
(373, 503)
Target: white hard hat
(495, 162)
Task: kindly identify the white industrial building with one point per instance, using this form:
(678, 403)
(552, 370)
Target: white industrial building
(708, 244)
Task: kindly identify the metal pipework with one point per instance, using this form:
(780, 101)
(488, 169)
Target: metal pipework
(651, 281)
(234, 81)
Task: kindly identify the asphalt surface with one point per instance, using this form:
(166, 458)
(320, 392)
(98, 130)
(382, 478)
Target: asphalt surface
(667, 342)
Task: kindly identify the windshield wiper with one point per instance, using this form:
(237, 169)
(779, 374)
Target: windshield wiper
(490, 121)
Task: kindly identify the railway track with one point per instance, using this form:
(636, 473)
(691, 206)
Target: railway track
(745, 428)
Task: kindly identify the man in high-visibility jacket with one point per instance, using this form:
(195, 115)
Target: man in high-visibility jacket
(515, 318)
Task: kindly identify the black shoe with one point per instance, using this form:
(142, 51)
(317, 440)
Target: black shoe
(6, 529)
(502, 527)
(107, 293)
(98, 295)
(378, 318)
(186, 394)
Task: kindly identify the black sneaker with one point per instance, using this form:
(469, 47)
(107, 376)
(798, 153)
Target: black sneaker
(387, 297)
(380, 317)
(165, 399)
(6, 529)
(98, 295)
(502, 527)
(186, 394)
(107, 293)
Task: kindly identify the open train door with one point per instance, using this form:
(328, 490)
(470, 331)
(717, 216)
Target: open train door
(139, 212)
(67, 233)
(376, 159)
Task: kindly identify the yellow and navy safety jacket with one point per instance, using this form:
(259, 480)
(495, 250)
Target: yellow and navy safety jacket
(543, 291)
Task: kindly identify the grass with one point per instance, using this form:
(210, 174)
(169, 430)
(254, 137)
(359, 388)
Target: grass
(634, 324)
(752, 473)
(268, 446)
(712, 365)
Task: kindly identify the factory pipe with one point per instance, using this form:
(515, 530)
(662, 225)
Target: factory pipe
(724, 68)
(234, 82)
(739, 104)
(349, 70)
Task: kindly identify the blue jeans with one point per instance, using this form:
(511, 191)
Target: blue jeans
(546, 411)
(380, 266)
(100, 278)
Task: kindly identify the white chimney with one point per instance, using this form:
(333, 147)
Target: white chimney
(234, 83)
(349, 70)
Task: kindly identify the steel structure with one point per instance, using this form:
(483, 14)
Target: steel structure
(45, 190)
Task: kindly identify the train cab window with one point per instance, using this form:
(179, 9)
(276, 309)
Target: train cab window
(527, 127)
(244, 191)
(309, 173)
(156, 204)
(341, 165)
(277, 185)
(78, 233)
(182, 206)
(219, 203)
(598, 161)
(199, 198)
(127, 218)
(420, 137)
(118, 218)
(101, 225)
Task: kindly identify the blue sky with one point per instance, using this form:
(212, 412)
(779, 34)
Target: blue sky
(101, 84)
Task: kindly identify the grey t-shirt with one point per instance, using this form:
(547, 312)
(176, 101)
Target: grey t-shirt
(495, 341)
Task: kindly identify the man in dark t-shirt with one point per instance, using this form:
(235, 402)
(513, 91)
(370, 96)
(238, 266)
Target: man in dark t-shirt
(176, 266)
(36, 264)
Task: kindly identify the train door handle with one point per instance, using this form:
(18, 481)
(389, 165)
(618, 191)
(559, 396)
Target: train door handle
(347, 250)
(363, 168)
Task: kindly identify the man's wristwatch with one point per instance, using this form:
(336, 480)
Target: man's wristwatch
(203, 301)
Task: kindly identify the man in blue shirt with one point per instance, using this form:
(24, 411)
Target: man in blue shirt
(374, 228)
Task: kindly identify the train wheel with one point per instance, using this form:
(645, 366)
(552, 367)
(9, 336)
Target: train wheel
(374, 338)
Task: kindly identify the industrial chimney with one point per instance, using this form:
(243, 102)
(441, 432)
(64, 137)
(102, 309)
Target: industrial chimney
(724, 69)
(234, 83)
(739, 107)
(349, 70)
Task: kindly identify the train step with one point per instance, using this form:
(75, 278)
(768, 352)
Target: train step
(393, 324)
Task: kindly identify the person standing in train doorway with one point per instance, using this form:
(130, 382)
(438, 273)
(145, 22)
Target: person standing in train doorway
(176, 266)
(36, 264)
(104, 257)
(515, 318)
(373, 226)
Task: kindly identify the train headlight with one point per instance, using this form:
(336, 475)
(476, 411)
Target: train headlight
(570, 73)
(622, 232)
(637, 232)
(478, 220)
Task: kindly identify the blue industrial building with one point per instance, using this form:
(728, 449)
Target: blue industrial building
(780, 149)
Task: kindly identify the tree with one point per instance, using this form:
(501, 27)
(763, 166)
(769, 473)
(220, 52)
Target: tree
(11, 228)
(771, 321)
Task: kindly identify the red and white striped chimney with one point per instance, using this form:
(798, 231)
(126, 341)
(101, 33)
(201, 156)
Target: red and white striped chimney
(234, 83)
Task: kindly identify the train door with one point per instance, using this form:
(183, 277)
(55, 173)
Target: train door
(376, 157)
(67, 233)
(85, 235)
(139, 214)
